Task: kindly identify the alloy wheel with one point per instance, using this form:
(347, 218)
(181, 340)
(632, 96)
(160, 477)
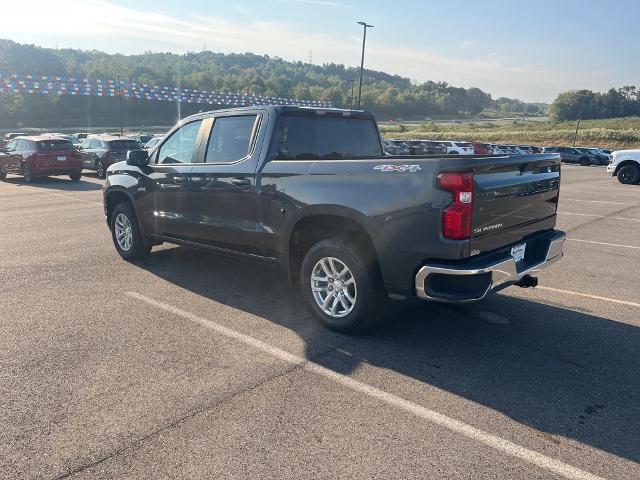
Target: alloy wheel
(124, 232)
(334, 287)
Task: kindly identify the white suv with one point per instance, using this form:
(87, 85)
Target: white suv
(458, 148)
(625, 164)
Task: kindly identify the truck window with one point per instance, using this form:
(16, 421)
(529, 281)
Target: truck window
(325, 138)
(180, 145)
(230, 139)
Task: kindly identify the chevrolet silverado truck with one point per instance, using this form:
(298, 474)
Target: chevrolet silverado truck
(625, 164)
(312, 191)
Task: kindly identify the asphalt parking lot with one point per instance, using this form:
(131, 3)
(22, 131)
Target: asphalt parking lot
(194, 365)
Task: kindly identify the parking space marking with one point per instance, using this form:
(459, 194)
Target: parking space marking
(601, 216)
(432, 416)
(74, 198)
(588, 295)
(596, 201)
(603, 243)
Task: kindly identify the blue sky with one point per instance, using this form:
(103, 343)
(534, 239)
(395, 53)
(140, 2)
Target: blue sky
(527, 49)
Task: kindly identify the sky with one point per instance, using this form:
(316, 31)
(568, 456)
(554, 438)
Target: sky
(530, 50)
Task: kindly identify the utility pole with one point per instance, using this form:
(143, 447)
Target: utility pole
(365, 25)
(353, 85)
(120, 103)
(575, 136)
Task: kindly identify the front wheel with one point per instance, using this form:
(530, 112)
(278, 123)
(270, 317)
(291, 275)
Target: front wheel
(100, 169)
(341, 285)
(126, 234)
(629, 174)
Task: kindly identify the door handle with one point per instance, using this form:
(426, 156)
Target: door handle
(241, 182)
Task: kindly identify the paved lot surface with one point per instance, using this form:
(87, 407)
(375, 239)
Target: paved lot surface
(193, 365)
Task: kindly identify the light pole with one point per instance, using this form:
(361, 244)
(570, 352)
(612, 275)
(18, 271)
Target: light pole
(575, 136)
(119, 101)
(353, 83)
(365, 25)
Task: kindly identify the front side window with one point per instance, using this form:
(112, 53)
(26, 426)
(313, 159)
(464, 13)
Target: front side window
(326, 138)
(180, 145)
(11, 146)
(230, 139)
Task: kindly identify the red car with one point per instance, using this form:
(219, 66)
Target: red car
(481, 148)
(40, 156)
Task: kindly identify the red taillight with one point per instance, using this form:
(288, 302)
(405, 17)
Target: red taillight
(456, 218)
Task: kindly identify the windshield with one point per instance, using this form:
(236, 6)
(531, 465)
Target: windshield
(48, 145)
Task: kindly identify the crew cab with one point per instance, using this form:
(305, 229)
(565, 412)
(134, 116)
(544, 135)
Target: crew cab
(312, 191)
(625, 164)
(39, 156)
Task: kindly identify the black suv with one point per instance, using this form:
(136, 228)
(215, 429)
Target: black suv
(100, 152)
(573, 155)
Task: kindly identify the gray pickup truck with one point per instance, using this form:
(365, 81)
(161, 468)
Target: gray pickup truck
(312, 191)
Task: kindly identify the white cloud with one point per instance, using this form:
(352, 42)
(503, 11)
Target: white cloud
(468, 43)
(115, 28)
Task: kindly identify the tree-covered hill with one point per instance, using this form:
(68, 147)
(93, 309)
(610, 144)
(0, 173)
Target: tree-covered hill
(389, 96)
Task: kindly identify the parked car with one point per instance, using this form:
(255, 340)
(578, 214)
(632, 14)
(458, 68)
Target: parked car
(70, 138)
(601, 157)
(12, 135)
(572, 155)
(625, 164)
(152, 143)
(280, 185)
(416, 147)
(141, 138)
(481, 148)
(458, 148)
(434, 148)
(100, 152)
(39, 156)
(395, 147)
(81, 135)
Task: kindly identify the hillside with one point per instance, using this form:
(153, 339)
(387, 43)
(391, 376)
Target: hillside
(389, 96)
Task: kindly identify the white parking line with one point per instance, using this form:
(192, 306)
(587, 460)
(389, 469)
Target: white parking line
(473, 433)
(601, 216)
(594, 201)
(603, 243)
(588, 295)
(73, 198)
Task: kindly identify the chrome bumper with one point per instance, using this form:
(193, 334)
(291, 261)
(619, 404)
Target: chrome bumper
(502, 273)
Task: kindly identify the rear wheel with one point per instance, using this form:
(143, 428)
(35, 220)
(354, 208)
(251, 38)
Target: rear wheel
(76, 176)
(584, 161)
(341, 285)
(126, 235)
(100, 169)
(3, 175)
(629, 174)
(28, 174)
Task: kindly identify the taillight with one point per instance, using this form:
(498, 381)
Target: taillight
(456, 218)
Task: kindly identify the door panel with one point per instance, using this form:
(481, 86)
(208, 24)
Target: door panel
(224, 204)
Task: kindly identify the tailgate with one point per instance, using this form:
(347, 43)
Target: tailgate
(513, 197)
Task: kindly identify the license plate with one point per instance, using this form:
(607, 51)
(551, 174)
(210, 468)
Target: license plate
(62, 158)
(517, 252)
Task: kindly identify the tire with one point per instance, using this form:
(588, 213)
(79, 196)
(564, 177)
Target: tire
(584, 161)
(629, 174)
(100, 169)
(123, 223)
(28, 176)
(3, 176)
(357, 301)
(76, 176)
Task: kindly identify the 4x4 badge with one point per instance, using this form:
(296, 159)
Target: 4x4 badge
(398, 168)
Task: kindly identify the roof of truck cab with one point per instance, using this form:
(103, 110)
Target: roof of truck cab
(280, 109)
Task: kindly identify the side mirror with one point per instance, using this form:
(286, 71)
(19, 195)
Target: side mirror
(138, 158)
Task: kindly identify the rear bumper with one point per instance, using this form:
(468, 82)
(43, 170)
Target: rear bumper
(475, 279)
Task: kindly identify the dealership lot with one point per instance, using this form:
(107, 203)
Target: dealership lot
(190, 364)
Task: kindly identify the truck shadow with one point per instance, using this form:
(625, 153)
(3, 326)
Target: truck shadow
(567, 374)
(62, 183)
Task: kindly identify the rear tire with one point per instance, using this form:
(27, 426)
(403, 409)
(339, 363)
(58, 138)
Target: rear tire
(3, 176)
(584, 161)
(28, 175)
(352, 291)
(629, 174)
(126, 234)
(100, 169)
(75, 176)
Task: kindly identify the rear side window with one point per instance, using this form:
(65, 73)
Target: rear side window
(123, 145)
(326, 138)
(50, 145)
(230, 139)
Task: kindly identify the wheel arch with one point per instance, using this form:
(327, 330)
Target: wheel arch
(318, 223)
(625, 162)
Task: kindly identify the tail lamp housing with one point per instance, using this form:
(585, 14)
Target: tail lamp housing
(456, 218)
